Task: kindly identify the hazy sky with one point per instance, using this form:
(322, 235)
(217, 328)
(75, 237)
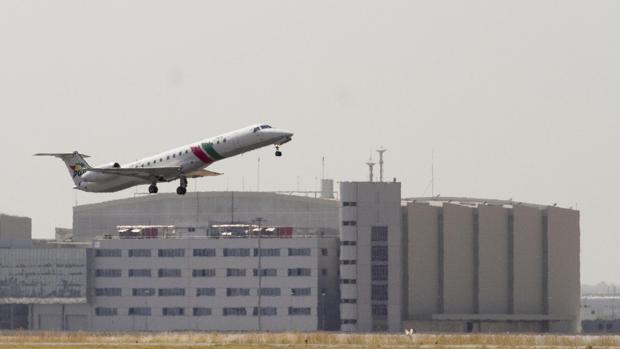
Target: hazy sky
(518, 99)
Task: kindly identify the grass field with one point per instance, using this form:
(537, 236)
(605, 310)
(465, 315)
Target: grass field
(61, 340)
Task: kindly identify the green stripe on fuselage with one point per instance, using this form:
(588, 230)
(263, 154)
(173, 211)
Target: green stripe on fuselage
(208, 147)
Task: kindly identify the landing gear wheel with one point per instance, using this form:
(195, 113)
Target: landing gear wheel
(182, 189)
(153, 189)
(278, 152)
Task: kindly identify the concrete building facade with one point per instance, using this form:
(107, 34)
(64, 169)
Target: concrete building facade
(218, 284)
(369, 261)
(483, 265)
(15, 230)
(370, 257)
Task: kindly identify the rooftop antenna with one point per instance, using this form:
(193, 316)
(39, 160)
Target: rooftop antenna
(381, 151)
(323, 167)
(433, 172)
(370, 167)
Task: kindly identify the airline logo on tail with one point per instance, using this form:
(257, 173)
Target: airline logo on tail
(78, 169)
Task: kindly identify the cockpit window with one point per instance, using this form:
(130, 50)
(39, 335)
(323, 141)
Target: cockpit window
(256, 129)
(265, 126)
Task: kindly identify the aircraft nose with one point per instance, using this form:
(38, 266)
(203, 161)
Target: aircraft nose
(285, 133)
(280, 136)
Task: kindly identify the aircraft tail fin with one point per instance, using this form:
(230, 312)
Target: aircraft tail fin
(75, 163)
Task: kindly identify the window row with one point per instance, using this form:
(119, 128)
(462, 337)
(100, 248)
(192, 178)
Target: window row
(168, 156)
(200, 292)
(230, 272)
(203, 311)
(206, 252)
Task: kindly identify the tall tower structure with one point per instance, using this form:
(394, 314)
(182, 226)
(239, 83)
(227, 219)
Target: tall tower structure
(371, 271)
(381, 151)
(371, 165)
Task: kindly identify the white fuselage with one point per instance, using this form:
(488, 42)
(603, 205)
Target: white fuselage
(189, 158)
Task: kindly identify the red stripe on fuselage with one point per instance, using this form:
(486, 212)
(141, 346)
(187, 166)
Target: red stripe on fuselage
(201, 155)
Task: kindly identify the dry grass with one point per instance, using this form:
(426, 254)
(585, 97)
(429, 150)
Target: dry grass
(24, 339)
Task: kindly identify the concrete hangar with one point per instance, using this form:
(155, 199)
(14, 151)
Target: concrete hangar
(368, 261)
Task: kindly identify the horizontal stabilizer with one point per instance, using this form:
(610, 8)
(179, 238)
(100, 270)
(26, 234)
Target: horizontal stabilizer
(62, 155)
(202, 173)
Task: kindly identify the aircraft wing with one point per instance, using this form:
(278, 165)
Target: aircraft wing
(151, 173)
(202, 173)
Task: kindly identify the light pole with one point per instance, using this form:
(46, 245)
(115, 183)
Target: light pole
(323, 294)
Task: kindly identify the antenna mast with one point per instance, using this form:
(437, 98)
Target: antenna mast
(381, 151)
(433, 172)
(370, 167)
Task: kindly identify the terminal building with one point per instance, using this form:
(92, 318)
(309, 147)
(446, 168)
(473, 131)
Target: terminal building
(205, 283)
(369, 260)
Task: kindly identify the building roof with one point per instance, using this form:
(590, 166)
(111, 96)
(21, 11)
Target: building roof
(475, 202)
(208, 194)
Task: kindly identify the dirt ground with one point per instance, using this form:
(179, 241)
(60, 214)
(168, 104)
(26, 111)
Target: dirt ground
(24, 339)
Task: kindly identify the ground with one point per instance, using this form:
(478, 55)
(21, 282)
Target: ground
(59, 340)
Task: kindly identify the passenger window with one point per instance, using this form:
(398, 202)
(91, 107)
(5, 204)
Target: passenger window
(168, 157)
(186, 152)
(224, 140)
(174, 155)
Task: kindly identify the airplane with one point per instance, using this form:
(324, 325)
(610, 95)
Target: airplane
(188, 161)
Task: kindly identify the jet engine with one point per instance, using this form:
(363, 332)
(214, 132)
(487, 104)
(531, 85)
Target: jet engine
(110, 165)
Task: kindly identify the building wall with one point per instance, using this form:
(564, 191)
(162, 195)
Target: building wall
(368, 207)
(423, 260)
(321, 302)
(43, 275)
(201, 209)
(458, 259)
(528, 261)
(494, 295)
(563, 263)
(493, 266)
(15, 228)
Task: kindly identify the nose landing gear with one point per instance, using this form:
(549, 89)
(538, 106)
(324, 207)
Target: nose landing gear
(278, 152)
(182, 189)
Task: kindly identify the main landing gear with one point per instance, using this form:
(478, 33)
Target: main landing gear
(153, 188)
(182, 189)
(278, 152)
